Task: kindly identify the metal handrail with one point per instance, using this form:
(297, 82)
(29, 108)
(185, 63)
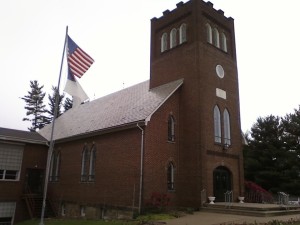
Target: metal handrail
(228, 198)
(203, 197)
(283, 199)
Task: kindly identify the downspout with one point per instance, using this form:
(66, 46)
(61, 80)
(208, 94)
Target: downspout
(142, 168)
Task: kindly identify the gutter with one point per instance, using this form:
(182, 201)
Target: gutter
(142, 167)
(23, 140)
(98, 132)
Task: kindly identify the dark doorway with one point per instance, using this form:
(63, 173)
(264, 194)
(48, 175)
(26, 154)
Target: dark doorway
(222, 183)
(34, 181)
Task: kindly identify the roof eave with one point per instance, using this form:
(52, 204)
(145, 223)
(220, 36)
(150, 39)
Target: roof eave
(103, 131)
(22, 140)
(175, 89)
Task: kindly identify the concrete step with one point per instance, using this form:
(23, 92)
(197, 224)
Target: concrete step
(252, 209)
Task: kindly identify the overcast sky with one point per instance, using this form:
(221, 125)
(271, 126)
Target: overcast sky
(116, 34)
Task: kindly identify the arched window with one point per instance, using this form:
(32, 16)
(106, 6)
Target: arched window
(182, 33)
(170, 176)
(217, 124)
(208, 33)
(84, 164)
(164, 42)
(173, 38)
(223, 42)
(171, 128)
(216, 38)
(92, 164)
(227, 136)
(54, 166)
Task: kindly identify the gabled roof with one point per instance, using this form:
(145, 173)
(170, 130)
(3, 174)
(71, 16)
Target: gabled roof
(130, 105)
(21, 136)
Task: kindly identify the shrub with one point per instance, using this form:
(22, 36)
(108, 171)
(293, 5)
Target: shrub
(158, 202)
(255, 193)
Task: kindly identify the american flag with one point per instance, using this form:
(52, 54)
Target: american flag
(79, 62)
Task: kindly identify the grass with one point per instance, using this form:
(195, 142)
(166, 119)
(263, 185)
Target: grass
(78, 222)
(137, 221)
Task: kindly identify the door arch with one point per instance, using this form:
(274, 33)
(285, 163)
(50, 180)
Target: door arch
(222, 179)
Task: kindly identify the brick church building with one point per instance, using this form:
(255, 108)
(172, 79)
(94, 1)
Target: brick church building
(178, 133)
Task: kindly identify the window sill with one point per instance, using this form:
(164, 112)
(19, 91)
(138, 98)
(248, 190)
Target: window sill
(174, 47)
(8, 180)
(87, 182)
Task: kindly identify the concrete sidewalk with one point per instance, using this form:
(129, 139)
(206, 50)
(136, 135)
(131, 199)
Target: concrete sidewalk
(208, 218)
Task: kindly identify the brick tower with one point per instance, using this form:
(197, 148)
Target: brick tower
(197, 43)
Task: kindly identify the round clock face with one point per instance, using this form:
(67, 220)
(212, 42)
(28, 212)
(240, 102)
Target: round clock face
(220, 71)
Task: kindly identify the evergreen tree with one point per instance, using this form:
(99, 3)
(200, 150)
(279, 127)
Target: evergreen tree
(68, 104)
(52, 99)
(272, 156)
(291, 138)
(264, 153)
(35, 107)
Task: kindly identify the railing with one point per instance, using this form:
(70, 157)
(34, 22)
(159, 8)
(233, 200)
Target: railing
(28, 196)
(203, 197)
(228, 198)
(283, 199)
(258, 197)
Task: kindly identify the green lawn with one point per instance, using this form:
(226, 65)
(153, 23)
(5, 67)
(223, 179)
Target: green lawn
(147, 217)
(78, 222)
(138, 221)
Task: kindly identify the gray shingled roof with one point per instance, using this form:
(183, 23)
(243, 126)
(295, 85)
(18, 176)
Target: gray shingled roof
(7, 134)
(133, 104)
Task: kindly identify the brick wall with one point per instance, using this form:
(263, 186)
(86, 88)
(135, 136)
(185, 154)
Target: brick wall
(195, 60)
(34, 157)
(116, 175)
(159, 152)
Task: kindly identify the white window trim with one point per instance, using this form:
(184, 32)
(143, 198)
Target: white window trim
(2, 178)
(171, 185)
(208, 33)
(223, 42)
(216, 38)
(164, 42)
(182, 33)
(173, 38)
(217, 125)
(84, 169)
(227, 136)
(92, 164)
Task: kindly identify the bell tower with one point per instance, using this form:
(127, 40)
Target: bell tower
(197, 43)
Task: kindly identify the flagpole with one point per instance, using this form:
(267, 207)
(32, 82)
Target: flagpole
(50, 150)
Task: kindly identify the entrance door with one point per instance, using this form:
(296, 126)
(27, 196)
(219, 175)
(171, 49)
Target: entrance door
(222, 183)
(35, 180)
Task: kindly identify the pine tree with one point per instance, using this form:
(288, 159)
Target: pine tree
(35, 107)
(68, 104)
(272, 156)
(264, 153)
(291, 162)
(52, 99)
